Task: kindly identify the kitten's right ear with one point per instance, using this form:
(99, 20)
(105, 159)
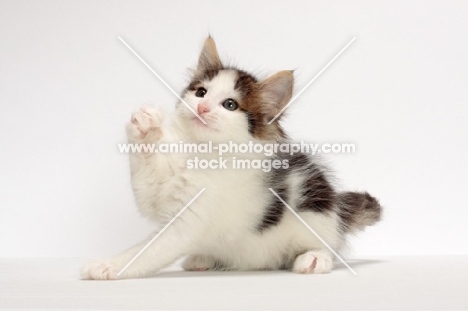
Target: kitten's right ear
(209, 58)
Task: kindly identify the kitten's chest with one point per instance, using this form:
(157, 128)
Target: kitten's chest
(230, 190)
(222, 173)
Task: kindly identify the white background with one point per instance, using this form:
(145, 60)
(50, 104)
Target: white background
(68, 86)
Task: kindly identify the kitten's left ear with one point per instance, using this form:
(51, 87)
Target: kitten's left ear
(276, 91)
(209, 58)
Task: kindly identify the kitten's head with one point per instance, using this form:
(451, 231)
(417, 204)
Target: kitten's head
(234, 104)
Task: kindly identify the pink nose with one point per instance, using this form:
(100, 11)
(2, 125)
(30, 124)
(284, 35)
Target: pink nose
(202, 108)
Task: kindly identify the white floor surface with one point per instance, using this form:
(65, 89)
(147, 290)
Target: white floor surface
(418, 283)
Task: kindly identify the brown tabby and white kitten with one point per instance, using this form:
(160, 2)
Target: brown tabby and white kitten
(237, 223)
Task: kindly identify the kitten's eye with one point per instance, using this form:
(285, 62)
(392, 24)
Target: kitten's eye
(230, 104)
(200, 92)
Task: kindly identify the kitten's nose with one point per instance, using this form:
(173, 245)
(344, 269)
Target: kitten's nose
(202, 108)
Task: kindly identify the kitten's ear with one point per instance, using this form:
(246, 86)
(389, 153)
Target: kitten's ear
(276, 91)
(209, 58)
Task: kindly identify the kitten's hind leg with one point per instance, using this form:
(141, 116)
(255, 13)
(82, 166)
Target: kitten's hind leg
(315, 262)
(199, 263)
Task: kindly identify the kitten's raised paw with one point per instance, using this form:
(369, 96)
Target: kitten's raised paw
(198, 263)
(313, 262)
(145, 124)
(100, 270)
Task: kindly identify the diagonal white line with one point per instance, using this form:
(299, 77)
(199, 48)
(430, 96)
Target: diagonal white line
(311, 81)
(313, 231)
(159, 233)
(161, 79)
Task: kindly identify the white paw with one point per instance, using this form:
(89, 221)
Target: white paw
(100, 270)
(198, 263)
(145, 124)
(313, 262)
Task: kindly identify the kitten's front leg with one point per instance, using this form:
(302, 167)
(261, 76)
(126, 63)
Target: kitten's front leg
(176, 241)
(145, 125)
(150, 170)
(109, 268)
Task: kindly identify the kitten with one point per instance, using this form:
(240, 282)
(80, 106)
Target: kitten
(237, 223)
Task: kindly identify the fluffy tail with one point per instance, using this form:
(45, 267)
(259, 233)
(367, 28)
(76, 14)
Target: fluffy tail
(358, 210)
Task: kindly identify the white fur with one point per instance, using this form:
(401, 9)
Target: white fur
(220, 225)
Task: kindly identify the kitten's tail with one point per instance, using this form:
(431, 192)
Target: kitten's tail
(358, 210)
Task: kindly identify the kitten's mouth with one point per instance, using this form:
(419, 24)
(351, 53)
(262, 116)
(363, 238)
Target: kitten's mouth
(199, 122)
